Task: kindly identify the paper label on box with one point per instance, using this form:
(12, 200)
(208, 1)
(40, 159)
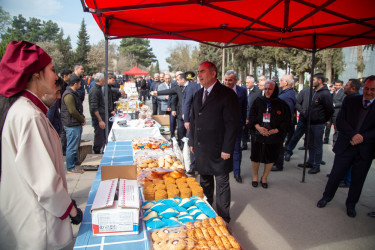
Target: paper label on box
(115, 222)
(128, 194)
(105, 195)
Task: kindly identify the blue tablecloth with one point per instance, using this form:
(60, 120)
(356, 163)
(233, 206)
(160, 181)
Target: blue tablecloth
(116, 153)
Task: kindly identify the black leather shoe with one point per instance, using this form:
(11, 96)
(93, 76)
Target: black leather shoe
(302, 148)
(308, 165)
(314, 170)
(264, 185)
(322, 163)
(287, 157)
(328, 175)
(191, 173)
(254, 184)
(343, 184)
(276, 168)
(371, 214)
(322, 203)
(238, 178)
(351, 212)
(244, 147)
(325, 142)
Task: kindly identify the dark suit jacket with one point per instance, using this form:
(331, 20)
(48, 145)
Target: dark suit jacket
(175, 95)
(337, 101)
(251, 98)
(187, 101)
(346, 122)
(214, 128)
(242, 100)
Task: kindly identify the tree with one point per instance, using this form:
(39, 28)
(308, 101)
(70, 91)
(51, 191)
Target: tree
(212, 54)
(157, 68)
(52, 50)
(83, 46)
(138, 49)
(5, 20)
(183, 57)
(65, 47)
(360, 65)
(96, 57)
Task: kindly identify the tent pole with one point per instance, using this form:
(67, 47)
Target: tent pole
(309, 107)
(222, 64)
(106, 90)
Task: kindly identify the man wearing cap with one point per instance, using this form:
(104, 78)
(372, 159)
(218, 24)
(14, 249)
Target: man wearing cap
(35, 203)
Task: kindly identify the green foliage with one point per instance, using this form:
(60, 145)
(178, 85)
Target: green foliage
(212, 54)
(5, 20)
(83, 47)
(65, 47)
(183, 57)
(137, 49)
(157, 68)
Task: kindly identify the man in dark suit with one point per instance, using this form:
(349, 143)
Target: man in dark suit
(337, 98)
(190, 90)
(214, 124)
(355, 145)
(154, 87)
(252, 93)
(230, 80)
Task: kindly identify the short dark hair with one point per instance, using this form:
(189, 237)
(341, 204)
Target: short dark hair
(338, 81)
(371, 78)
(320, 76)
(65, 72)
(111, 76)
(182, 75)
(73, 79)
(59, 82)
(356, 83)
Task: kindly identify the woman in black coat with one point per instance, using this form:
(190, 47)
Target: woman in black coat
(269, 122)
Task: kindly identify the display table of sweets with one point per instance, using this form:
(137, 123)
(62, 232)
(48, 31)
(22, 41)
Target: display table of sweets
(165, 222)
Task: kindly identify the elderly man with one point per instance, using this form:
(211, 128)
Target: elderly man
(252, 93)
(214, 123)
(262, 81)
(164, 99)
(230, 80)
(154, 87)
(286, 94)
(97, 111)
(355, 145)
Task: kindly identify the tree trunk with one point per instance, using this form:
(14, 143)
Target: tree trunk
(360, 65)
(251, 66)
(301, 81)
(255, 70)
(264, 69)
(222, 65)
(329, 68)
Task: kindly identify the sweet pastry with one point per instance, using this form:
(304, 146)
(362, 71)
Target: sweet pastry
(158, 181)
(164, 233)
(198, 233)
(173, 193)
(213, 222)
(191, 234)
(226, 242)
(218, 242)
(206, 223)
(169, 180)
(180, 180)
(189, 243)
(206, 234)
(159, 186)
(211, 231)
(212, 245)
(189, 225)
(160, 245)
(160, 194)
(218, 231)
(198, 223)
(233, 242)
(224, 230)
(176, 244)
(220, 221)
(155, 236)
(185, 193)
(175, 174)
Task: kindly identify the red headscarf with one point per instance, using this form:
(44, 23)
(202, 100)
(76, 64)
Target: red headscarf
(20, 61)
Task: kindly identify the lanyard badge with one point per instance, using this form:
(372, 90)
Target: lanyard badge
(267, 115)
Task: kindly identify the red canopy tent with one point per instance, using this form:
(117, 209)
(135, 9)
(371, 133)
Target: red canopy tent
(135, 71)
(310, 25)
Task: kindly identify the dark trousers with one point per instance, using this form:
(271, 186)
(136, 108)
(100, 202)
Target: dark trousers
(192, 157)
(172, 125)
(222, 193)
(327, 130)
(298, 133)
(351, 157)
(63, 141)
(316, 144)
(237, 154)
(280, 160)
(99, 138)
(154, 108)
(245, 136)
(181, 131)
(142, 96)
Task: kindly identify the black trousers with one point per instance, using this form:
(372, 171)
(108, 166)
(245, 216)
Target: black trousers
(154, 108)
(222, 193)
(99, 138)
(181, 132)
(342, 162)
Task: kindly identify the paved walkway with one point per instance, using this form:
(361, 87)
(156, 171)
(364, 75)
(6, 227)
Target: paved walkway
(285, 215)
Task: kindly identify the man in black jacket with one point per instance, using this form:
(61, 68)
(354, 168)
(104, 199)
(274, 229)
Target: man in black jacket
(97, 111)
(321, 110)
(214, 123)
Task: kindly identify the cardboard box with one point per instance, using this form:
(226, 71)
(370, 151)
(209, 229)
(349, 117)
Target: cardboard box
(163, 120)
(115, 210)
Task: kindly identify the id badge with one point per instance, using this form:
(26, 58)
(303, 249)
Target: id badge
(266, 117)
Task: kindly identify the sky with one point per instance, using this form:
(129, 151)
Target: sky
(68, 15)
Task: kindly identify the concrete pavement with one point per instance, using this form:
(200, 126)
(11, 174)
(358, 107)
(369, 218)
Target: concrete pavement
(285, 215)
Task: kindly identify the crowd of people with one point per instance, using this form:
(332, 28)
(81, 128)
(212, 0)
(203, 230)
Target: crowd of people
(40, 108)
